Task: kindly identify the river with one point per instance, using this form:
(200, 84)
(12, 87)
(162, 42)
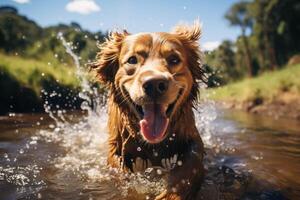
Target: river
(248, 157)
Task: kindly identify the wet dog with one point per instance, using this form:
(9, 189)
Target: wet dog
(152, 79)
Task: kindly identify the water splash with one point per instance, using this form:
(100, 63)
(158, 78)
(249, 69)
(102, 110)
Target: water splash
(205, 114)
(81, 143)
(84, 142)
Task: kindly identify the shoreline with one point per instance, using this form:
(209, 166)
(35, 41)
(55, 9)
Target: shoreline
(283, 107)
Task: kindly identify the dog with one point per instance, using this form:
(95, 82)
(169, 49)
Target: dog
(152, 82)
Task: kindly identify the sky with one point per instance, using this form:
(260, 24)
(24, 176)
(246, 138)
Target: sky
(134, 15)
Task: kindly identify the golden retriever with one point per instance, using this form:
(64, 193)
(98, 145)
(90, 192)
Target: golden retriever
(152, 79)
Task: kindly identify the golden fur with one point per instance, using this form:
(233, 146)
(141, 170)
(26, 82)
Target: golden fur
(128, 149)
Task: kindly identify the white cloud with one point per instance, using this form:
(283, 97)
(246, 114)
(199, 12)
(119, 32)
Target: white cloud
(210, 46)
(22, 1)
(83, 7)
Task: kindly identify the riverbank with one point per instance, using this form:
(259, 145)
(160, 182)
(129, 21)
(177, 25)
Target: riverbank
(25, 85)
(274, 93)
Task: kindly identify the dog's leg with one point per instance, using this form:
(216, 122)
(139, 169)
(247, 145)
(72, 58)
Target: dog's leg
(185, 179)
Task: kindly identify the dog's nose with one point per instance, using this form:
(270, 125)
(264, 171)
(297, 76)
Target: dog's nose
(155, 86)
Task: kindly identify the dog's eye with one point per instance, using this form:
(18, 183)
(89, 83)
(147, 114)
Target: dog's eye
(132, 60)
(173, 60)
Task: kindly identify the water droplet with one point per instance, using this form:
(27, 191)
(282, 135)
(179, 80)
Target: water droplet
(174, 189)
(179, 162)
(158, 171)
(32, 142)
(12, 114)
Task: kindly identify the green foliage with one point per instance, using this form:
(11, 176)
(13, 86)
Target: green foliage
(266, 87)
(24, 37)
(30, 72)
(238, 15)
(269, 38)
(16, 32)
(22, 80)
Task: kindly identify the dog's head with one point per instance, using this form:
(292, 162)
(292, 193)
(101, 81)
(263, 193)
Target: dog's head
(153, 74)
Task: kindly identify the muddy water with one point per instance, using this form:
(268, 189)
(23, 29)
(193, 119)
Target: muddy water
(248, 156)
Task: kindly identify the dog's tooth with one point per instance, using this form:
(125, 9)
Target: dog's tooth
(133, 167)
(163, 162)
(168, 164)
(175, 159)
(139, 164)
(172, 160)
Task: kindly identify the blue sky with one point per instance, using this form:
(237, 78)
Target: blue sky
(135, 15)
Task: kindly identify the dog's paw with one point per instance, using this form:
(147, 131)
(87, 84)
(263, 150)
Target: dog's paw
(168, 196)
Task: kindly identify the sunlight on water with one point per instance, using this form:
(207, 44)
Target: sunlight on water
(82, 144)
(205, 114)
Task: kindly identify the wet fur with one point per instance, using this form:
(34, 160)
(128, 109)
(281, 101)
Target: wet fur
(123, 125)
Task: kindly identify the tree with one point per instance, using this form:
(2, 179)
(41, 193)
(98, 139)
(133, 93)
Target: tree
(261, 11)
(237, 15)
(226, 60)
(17, 32)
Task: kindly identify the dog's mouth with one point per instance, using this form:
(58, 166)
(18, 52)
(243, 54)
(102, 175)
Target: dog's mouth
(154, 119)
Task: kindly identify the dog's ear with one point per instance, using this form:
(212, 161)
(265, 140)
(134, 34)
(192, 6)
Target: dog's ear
(189, 35)
(107, 62)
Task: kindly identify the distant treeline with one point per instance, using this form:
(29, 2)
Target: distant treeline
(270, 36)
(35, 70)
(22, 36)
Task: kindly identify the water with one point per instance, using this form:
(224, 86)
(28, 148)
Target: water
(61, 155)
(44, 161)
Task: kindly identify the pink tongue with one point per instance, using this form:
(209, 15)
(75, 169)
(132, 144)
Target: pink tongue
(155, 123)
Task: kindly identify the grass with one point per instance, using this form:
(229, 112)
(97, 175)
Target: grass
(267, 86)
(29, 72)
(22, 80)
